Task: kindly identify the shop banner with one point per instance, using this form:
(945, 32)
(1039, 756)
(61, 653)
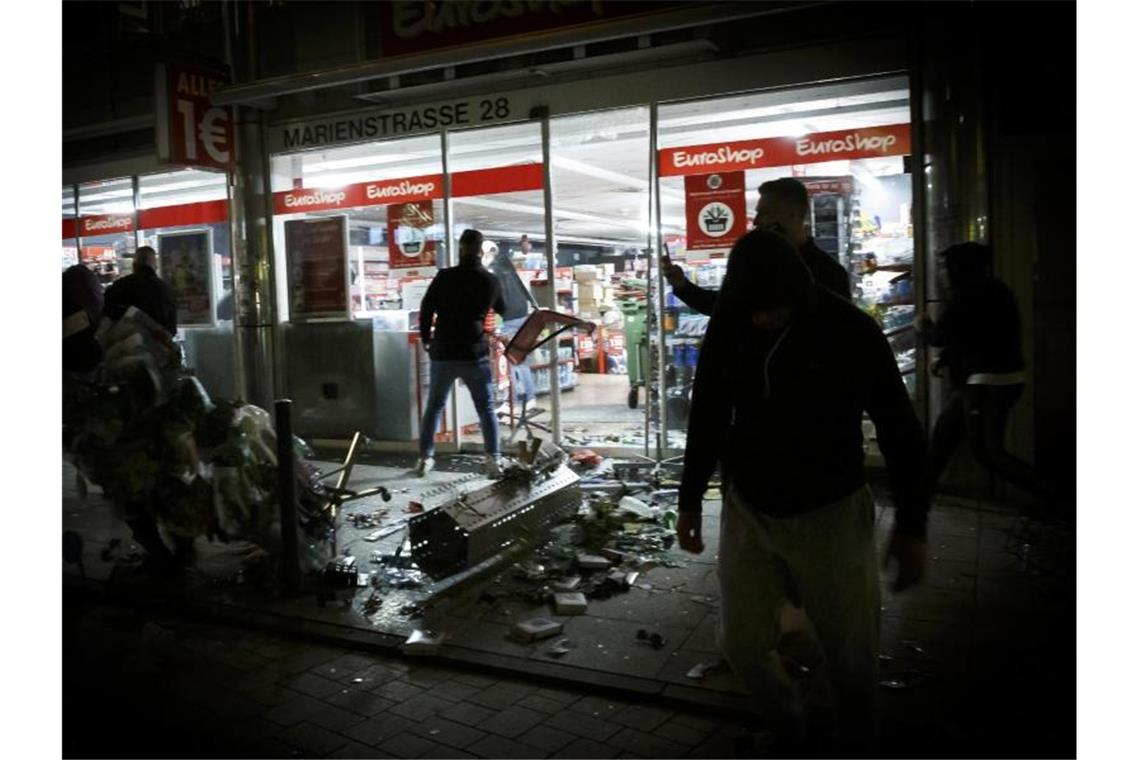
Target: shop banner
(316, 254)
(408, 27)
(190, 131)
(716, 212)
(70, 226)
(847, 144)
(106, 224)
(504, 179)
(820, 185)
(408, 228)
(183, 215)
(186, 262)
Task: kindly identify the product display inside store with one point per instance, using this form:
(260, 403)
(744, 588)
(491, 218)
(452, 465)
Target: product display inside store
(845, 142)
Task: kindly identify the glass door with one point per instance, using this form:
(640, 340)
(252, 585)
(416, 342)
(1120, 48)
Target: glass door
(497, 187)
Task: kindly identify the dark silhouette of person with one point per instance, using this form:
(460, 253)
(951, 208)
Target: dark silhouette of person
(82, 306)
(979, 333)
(460, 296)
(144, 290)
(785, 374)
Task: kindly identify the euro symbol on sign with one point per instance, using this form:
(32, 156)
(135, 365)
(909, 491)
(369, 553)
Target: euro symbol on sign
(212, 134)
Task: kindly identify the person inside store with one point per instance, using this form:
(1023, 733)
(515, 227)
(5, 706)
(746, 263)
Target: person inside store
(452, 316)
(979, 332)
(144, 290)
(518, 302)
(782, 209)
(797, 521)
(82, 305)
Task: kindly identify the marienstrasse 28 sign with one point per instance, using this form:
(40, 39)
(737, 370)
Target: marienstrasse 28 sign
(191, 131)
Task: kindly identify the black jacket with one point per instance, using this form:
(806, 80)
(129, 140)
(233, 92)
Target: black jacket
(147, 293)
(458, 299)
(825, 270)
(979, 331)
(782, 411)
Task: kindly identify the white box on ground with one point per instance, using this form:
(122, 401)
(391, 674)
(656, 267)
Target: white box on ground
(571, 603)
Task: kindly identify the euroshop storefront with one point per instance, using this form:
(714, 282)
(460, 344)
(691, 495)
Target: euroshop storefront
(582, 184)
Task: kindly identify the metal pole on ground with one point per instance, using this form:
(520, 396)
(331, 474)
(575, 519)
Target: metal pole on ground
(290, 569)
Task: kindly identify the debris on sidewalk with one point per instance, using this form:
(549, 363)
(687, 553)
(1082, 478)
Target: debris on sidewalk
(703, 669)
(424, 642)
(561, 647)
(655, 640)
(535, 629)
(570, 604)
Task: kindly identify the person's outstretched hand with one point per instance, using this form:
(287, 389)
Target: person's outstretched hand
(689, 532)
(674, 275)
(910, 554)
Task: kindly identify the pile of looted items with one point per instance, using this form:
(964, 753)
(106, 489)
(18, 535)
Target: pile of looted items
(144, 429)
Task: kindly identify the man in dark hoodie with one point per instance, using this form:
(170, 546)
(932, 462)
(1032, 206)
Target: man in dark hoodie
(782, 209)
(979, 333)
(786, 371)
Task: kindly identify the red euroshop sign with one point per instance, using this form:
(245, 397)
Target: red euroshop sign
(106, 224)
(183, 215)
(715, 210)
(845, 144)
(192, 131)
(506, 179)
(408, 27)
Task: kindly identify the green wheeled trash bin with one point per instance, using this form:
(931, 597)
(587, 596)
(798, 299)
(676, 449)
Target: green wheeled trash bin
(634, 326)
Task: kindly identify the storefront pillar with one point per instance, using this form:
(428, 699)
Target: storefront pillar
(255, 307)
(951, 198)
(551, 267)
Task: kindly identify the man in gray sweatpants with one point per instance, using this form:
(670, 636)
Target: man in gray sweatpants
(786, 372)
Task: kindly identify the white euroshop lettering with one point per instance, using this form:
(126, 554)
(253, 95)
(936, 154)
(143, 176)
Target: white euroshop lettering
(719, 157)
(96, 225)
(402, 190)
(849, 144)
(316, 198)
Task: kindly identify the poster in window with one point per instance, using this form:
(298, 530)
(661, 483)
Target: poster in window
(186, 262)
(316, 254)
(409, 230)
(715, 211)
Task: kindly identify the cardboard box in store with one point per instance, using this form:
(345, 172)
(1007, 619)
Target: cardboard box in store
(587, 273)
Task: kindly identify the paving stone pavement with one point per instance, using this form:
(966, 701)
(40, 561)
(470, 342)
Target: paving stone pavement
(139, 683)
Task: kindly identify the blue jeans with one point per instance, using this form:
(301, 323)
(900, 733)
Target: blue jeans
(476, 375)
(522, 378)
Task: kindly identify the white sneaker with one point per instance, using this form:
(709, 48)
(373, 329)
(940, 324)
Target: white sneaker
(493, 466)
(423, 466)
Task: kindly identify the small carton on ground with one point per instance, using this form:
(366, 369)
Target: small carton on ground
(535, 629)
(572, 603)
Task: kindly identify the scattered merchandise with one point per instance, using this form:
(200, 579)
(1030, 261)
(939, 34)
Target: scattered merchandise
(536, 629)
(561, 647)
(424, 642)
(592, 562)
(702, 669)
(565, 585)
(655, 640)
(571, 603)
